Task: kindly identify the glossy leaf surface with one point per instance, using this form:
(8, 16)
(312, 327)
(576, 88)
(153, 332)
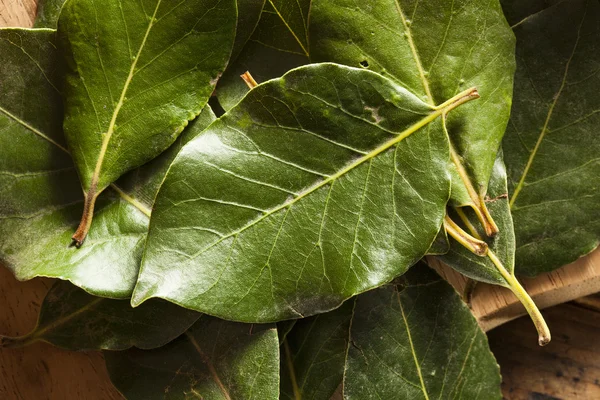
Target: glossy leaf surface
(134, 80)
(435, 49)
(73, 319)
(214, 360)
(552, 144)
(40, 197)
(278, 44)
(313, 355)
(317, 186)
(418, 340)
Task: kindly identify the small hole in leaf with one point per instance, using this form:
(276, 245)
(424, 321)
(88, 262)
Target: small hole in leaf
(364, 63)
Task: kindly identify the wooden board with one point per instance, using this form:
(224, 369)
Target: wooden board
(42, 371)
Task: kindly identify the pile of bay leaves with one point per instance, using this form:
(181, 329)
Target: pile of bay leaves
(224, 239)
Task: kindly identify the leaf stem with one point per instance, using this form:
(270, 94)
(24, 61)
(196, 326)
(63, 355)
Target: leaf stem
(249, 80)
(474, 245)
(544, 336)
(18, 341)
(477, 201)
(86, 218)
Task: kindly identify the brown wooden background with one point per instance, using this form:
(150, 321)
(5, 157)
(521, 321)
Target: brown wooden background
(568, 368)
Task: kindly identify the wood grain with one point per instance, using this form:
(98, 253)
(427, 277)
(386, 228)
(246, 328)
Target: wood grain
(568, 368)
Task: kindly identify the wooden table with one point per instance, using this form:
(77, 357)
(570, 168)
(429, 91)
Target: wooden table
(568, 368)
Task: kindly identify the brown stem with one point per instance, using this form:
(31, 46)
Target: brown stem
(86, 218)
(249, 79)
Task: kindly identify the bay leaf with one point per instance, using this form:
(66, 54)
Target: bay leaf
(134, 79)
(72, 319)
(551, 146)
(278, 44)
(248, 15)
(40, 198)
(214, 359)
(435, 50)
(311, 190)
(418, 340)
(313, 355)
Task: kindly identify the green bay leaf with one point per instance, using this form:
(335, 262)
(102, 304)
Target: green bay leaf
(418, 340)
(72, 319)
(134, 80)
(40, 198)
(313, 355)
(552, 144)
(319, 185)
(278, 44)
(434, 49)
(214, 359)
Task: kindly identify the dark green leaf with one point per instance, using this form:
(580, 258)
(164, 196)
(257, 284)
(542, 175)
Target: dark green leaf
(418, 341)
(249, 12)
(317, 186)
(279, 43)
(72, 319)
(313, 355)
(40, 198)
(435, 49)
(47, 13)
(134, 79)
(213, 360)
(552, 144)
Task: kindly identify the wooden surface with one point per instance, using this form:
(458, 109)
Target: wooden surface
(569, 368)
(42, 371)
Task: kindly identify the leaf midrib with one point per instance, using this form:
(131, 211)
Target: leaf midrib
(412, 348)
(331, 178)
(544, 130)
(209, 364)
(415, 54)
(290, 28)
(111, 127)
(130, 199)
